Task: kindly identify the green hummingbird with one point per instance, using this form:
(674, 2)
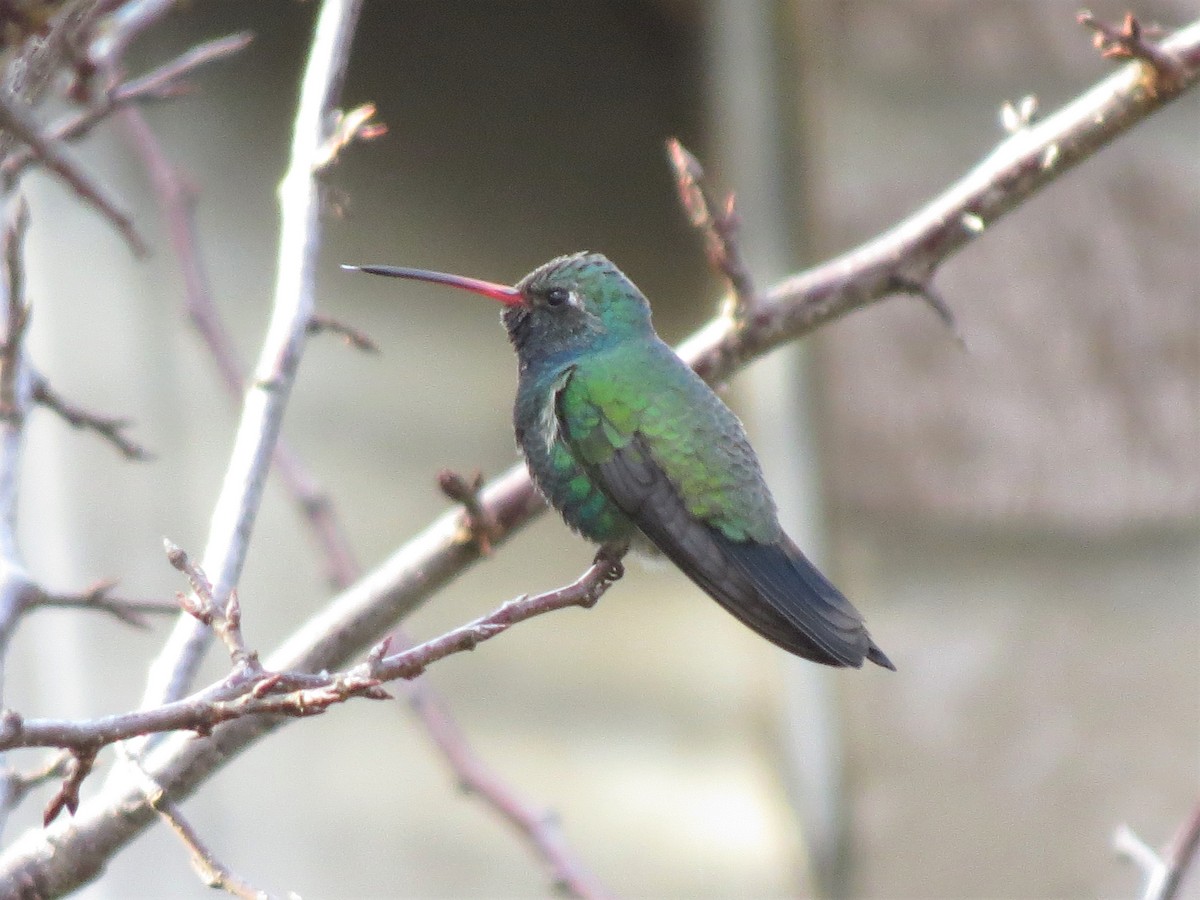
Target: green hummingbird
(631, 446)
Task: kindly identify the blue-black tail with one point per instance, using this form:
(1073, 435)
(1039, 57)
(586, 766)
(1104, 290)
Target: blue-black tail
(775, 590)
(772, 587)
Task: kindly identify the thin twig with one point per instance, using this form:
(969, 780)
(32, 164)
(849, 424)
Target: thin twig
(16, 309)
(1163, 873)
(99, 597)
(160, 83)
(83, 757)
(540, 828)
(718, 222)
(128, 21)
(108, 427)
(254, 692)
(359, 340)
(15, 786)
(213, 873)
(20, 122)
(225, 620)
(348, 127)
(1181, 854)
(15, 400)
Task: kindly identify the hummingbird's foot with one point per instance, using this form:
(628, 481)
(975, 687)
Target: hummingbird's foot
(611, 555)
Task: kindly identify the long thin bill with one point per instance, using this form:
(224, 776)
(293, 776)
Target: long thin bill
(509, 296)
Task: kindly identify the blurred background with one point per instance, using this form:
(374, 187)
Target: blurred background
(1019, 521)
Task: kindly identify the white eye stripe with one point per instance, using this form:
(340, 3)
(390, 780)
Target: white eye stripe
(557, 297)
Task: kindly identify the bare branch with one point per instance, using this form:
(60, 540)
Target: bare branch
(213, 873)
(719, 223)
(52, 153)
(910, 252)
(99, 597)
(359, 340)
(251, 691)
(1163, 873)
(128, 20)
(15, 401)
(540, 828)
(262, 413)
(175, 199)
(164, 81)
(17, 311)
(110, 428)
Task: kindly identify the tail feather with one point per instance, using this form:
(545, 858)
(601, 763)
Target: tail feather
(817, 618)
(772, 588)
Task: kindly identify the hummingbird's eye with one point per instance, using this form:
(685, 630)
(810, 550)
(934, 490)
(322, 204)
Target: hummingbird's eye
(557, 296)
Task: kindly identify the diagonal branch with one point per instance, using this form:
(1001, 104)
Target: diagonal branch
(111, 428)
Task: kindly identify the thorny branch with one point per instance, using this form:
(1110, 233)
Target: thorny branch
(908, 254)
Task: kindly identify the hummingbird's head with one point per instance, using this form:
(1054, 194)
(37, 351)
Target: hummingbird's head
(575, 302)
(570, 304)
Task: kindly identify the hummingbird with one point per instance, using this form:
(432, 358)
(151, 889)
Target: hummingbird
(633, 447)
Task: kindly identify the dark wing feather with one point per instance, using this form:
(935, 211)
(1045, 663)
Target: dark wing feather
(771, 588)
